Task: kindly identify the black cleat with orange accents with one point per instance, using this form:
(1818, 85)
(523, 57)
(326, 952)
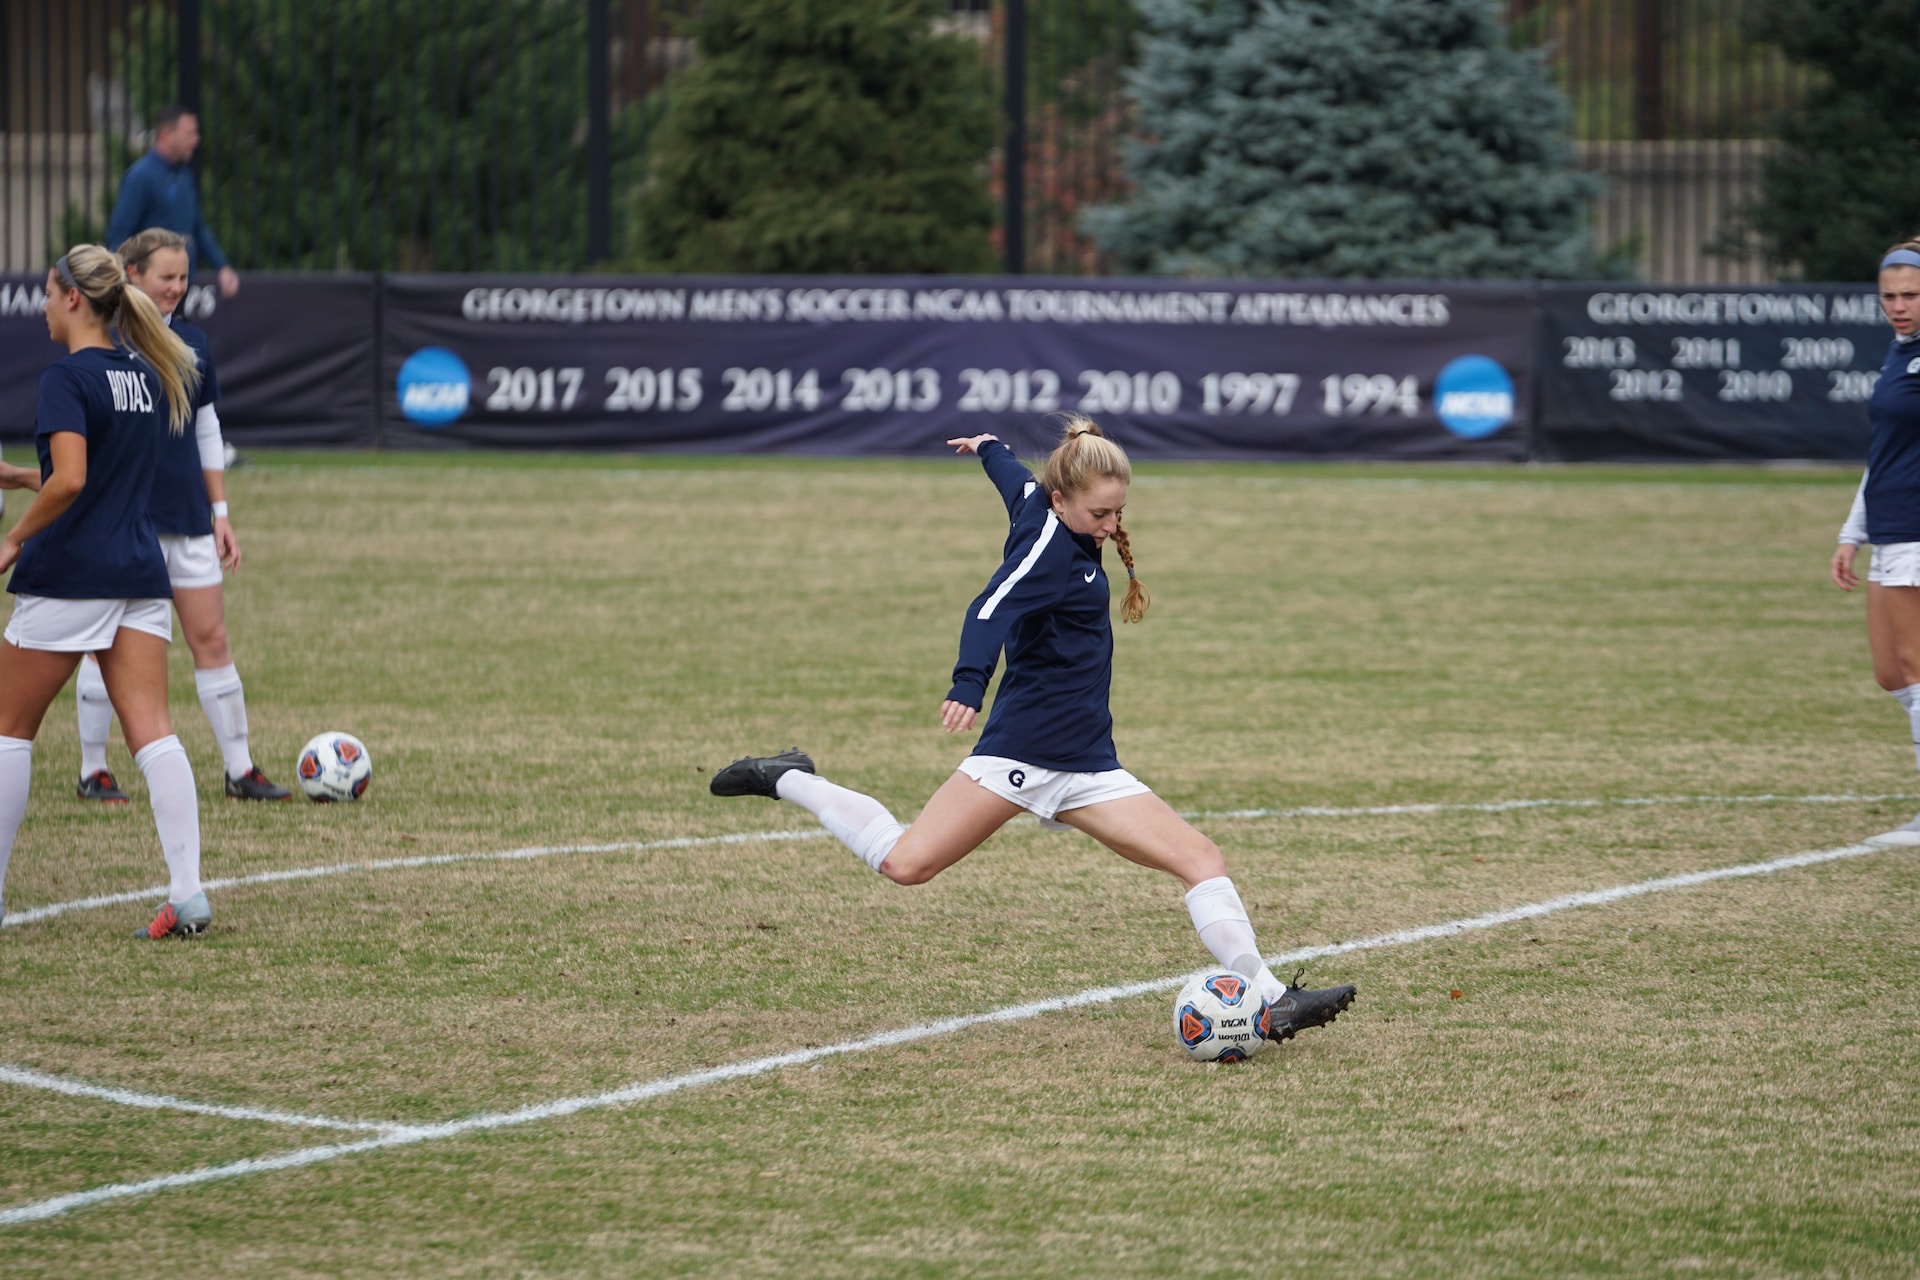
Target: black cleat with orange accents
(756, 775)
(254, 785)
(1298, 1009)
(100, 786)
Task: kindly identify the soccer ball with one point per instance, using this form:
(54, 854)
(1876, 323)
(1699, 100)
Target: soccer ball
(1220, 1016)
(334, 766)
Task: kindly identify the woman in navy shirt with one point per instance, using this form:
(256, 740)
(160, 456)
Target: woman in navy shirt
(1048, 745)
(88, 576)
(189, 512)
(1886, 508)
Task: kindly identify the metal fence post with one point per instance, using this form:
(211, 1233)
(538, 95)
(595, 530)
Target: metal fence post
(599, 180)
(1649, 75)
(1013, 223)
(379, 289)
(189, 41)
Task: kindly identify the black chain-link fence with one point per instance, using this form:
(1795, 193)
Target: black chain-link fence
(505, 135)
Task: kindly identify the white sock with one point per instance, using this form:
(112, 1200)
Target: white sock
(16, 774)
(1221, 921)
(176, 812)
(1909, 698)
(225, 703)
(859, 822)
(96, 717)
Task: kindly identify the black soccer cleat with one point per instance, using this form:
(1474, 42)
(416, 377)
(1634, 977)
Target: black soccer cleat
(755, 775)
(254, 785)
(99, 786)
(1298, 1009)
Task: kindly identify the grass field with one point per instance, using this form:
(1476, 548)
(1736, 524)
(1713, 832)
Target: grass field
(1717, 1079)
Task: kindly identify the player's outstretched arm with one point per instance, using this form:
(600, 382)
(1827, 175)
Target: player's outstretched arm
(1009, 475)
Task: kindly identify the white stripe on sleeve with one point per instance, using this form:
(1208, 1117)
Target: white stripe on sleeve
(1854, 531)
(206, 434)
(1026, 567)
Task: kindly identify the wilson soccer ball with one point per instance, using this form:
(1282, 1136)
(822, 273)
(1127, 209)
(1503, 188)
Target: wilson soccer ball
(1220, 1016)
(334, 766)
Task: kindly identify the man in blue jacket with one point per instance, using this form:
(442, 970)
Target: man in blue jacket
(159, 190)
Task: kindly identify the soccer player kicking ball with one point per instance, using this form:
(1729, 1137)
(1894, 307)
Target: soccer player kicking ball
(1048, 746)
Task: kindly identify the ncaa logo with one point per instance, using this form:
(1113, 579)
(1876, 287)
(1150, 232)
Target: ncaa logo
(1473, 397)
(1913, 365)
(1018, 777)
(433, 387)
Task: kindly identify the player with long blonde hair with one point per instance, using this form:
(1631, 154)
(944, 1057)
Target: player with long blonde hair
(88, 576)
(1047, 748)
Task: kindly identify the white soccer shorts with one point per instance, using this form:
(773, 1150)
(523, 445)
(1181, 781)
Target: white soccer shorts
(1046, 792)
(84, 626)
(192, 560)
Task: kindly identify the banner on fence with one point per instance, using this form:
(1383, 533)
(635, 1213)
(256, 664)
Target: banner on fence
(295, 355)
(889, 365)
(1780, 372)
(898, 365)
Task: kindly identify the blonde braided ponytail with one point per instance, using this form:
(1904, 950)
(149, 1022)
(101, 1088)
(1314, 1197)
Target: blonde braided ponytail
(1084, 455)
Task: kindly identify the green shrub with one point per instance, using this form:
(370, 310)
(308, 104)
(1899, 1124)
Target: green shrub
(821, 136)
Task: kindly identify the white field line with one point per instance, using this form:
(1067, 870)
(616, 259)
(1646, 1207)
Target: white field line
(1511, 806)
(32, 1079)
(32, 914)
(1013, 1013)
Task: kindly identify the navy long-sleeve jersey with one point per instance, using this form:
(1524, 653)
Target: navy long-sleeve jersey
(1893, 454)
(1047, 608)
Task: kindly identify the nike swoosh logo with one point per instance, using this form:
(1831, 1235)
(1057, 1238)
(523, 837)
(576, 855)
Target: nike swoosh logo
(1090, 576)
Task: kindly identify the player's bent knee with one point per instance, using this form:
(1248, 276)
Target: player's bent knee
(1203, 862)
(912, 862)
(909, 870)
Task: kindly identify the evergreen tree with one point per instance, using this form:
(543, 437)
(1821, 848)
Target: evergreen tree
(1843, 184)
(1338, 138)
(822, 136)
